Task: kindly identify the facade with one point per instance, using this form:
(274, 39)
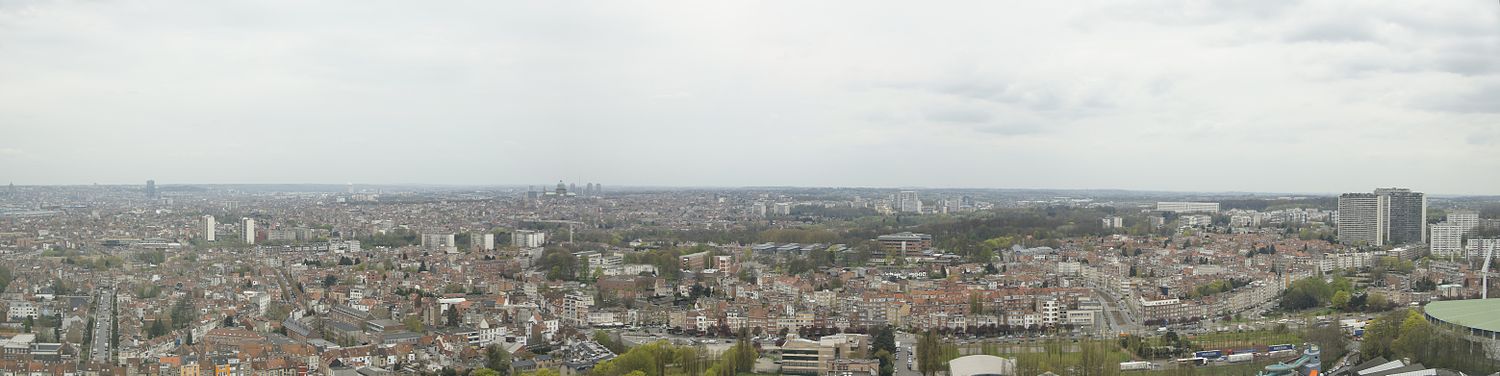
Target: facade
(1446, 240)
(437, 242)
(904, 243)
(1406, 214)
(528, 238)
(1360, 219)
(907, 202)
(208, 224)
(694, 262)
(247, 226)
(1188, 207)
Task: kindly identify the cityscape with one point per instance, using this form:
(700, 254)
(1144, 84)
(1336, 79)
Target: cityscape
(749, 188)
(582, 279)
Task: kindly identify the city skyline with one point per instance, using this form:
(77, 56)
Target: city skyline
(1136, 95)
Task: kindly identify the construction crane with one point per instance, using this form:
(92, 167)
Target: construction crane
(1484, 279)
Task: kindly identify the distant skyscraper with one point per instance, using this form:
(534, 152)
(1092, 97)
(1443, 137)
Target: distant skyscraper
(208, 225)
(573, 187)
(907, 202)
(1388, 216)
(1407, 215)
(151, 189)
(249, 230)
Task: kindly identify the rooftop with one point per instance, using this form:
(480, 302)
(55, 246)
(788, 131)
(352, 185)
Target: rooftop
(1473, 313)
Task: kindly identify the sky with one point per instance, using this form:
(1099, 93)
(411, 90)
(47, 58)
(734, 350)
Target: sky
(1254, 95)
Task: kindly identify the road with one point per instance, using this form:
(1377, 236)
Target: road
(102, 326)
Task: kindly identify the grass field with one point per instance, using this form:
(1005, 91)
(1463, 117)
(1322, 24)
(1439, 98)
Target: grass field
(1243, 340)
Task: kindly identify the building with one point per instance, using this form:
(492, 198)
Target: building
(694, 262)
(904, 243)
(908, 202)
(438, 242)
(1406, 214)
(247, 228)
(1388, 216)
(150, 189)
(1188, 207)
(1473, 318)
(1446, 240)
(815, 358)
(981, 365)
(1468, 219)
(528, 238)
(482, 241)
(1112, 222)
(207, 227)
(1360, 220)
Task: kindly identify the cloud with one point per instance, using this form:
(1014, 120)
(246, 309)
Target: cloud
(643, 93)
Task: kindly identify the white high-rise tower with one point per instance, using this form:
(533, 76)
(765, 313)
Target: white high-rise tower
(249, 230)
(208, 227)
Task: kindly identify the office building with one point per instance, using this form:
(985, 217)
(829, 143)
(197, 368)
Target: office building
(151, 190)
(207, 227)
(904, 243)
(1406, 214)
(1188, 207)
(248, 229)
(908, 202)
(1360, 219)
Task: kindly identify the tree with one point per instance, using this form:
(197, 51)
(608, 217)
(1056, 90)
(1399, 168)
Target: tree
(484, 372)
(1331, 341)
(1381, 333)
(887, 362)
(1414, 335)
(497, 360)
(413, 324)
(1340, 300)
(885, 339)
(453, 319)
(929, 353)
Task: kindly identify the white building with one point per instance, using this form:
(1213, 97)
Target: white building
(528, 238)
(248, 226)
(1113, 222)
(1446, 239)
(1188, 207)
(208, 225)
(908, 202)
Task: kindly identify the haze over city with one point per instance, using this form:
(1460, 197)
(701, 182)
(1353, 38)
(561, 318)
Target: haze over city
(1266, 96)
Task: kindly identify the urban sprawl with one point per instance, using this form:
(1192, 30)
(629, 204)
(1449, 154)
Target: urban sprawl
(577, 279)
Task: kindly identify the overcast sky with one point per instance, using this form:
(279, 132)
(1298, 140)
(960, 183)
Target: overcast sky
(1254, 95)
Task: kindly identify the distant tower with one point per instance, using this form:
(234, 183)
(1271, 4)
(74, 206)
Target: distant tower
(249, 226)
(151, 189)
(573, 187)
(208, 227)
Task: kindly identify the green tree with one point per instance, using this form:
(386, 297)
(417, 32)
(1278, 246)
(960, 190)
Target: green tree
(929, 354)
(497, 360)
(1340, 300)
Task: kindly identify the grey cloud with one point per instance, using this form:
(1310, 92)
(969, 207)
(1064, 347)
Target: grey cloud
(1484, 99)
